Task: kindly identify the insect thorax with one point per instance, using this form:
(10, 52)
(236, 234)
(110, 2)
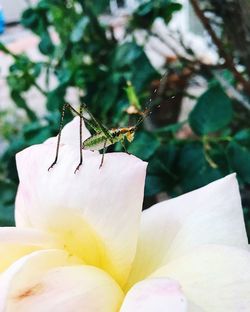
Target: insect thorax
(120, 134)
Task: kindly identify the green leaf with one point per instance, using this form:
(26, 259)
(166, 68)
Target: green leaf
(55, 99)
(142, 72)
(163, 162)
(132, 61)
(126, 54)
(16, 84)
(46, 45)
(132, 96)
(30, 18)
(4, 49)
(148, 11)
(193, 169)
(161, 170)
(212, 112)
(172, 128)
(7, 215)
(79, 29)
(243, 137)
(7, 199)
(144, 145)
(239, 159)
(20, 102)
(154, 185)
(168, 10)
(99, 6)
(36, 133)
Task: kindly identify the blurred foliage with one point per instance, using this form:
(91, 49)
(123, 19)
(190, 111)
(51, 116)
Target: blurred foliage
(81, 49)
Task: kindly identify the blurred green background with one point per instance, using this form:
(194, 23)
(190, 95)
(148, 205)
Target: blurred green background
(124, 58)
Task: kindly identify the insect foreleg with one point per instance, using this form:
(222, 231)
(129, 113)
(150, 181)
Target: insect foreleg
(94, 127)
(103, 153)
(59, 137)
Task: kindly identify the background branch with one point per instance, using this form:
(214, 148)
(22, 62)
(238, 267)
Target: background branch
(228, 59)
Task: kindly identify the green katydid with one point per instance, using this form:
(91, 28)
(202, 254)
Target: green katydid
(103, 136)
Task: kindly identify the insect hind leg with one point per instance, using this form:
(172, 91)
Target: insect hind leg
(124, 147)
(103, 153)
(80, 134)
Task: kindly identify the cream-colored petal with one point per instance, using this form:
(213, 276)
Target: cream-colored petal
(72, 289)
(209, 215)
(16, 242)
(155, 294)
(27, 270)
(48, 280)
(213, 278)
(96, 212)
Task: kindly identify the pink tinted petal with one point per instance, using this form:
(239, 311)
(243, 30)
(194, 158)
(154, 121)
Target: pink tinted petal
(16, 242)
(22, 201)
(49, 280)
(209, 215)
(213, 278)
(155, 294)
(96, 209)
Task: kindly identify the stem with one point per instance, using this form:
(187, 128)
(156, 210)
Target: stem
(39, 89)
(228, 59)
(231, 91)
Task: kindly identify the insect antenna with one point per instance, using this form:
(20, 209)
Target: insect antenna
(149, 104)
(145, 114)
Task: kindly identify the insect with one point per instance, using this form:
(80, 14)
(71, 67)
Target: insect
(102, 138)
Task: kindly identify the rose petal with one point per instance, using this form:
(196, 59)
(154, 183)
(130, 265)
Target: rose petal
(213, 278)
(21, 204)
(96, 211)
(209, 215)
(156, 294)
(16, 242)
(29, 268)
(44, 281)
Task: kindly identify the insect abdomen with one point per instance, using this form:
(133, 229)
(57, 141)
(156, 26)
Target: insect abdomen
(96, 142)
